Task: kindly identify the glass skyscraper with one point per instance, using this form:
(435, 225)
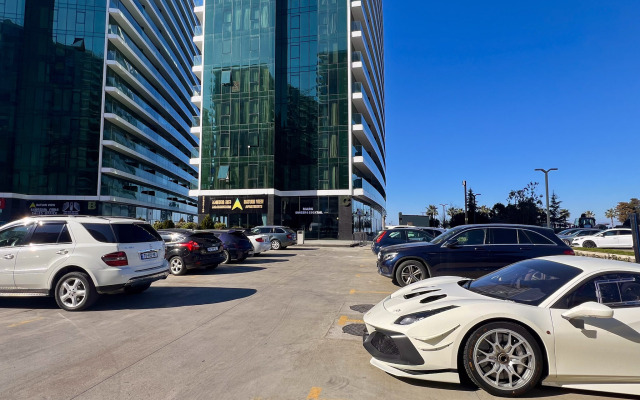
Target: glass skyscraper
(95, 108)
(292, 114)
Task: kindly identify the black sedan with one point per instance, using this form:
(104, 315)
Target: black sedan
(236, 244)
(188, 249)
(468, 251)
(393, 236)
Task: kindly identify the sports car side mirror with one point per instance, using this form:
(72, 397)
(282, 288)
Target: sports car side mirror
(589, 309)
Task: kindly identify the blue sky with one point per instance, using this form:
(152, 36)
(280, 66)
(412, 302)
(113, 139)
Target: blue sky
(488, 91)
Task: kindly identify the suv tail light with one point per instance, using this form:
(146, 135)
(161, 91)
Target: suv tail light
(569, 252)
(191, 245)
(379, 238)
(289, 237)
(259, 240)
(117, 259)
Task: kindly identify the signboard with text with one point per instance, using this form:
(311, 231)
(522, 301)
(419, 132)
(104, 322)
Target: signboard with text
(233, 204)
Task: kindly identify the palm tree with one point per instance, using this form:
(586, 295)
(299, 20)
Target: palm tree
(610, 213)
(589, 214)
(432, 211)
(484, 210)
(564, 215)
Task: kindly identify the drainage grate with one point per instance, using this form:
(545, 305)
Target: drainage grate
(354, 329)
(362, 308)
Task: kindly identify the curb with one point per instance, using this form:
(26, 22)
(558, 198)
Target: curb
(606, 256)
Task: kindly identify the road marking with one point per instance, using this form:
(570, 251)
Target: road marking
(314, 393)
(25, 322)
(357, 275)
(353, 291)
(344, 319)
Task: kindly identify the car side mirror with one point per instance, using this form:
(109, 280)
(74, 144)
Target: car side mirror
(452, 244)
(588, 309)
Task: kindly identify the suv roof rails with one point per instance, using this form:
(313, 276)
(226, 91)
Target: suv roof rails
(106, 217)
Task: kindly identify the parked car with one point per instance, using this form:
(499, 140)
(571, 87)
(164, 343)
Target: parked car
(560, 321)
(468, 250)
(568, 231)
(76, 258)
(611, 238)
(568, 238)
(280, 237)
(237, 247)
(189, 249)
(259, 241)
(390, 237)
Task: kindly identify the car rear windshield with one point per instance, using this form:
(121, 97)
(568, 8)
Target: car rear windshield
(135, 233)
(528, 282)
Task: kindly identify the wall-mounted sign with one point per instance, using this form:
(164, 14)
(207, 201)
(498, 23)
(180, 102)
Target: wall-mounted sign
(233, 205)
(309, 211)
(53, 207)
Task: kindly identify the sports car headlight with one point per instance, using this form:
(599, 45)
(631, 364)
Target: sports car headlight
(389, 256)
(415, 317)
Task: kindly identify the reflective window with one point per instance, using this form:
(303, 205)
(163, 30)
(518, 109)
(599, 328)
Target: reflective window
(14, 236)
(49, 233)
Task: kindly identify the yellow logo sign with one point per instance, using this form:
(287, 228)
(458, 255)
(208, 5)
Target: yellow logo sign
(33, 205)
(236, 205)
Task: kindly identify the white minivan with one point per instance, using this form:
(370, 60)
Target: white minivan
(76, 258)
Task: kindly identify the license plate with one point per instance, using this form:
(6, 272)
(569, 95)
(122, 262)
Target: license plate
(212, 248)
(147, 255)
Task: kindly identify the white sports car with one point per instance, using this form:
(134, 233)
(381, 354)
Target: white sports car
(564, 321)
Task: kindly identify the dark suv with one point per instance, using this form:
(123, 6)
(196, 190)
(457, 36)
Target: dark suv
(187, 249)
(468, 251)
(236, 245)
(393, 236)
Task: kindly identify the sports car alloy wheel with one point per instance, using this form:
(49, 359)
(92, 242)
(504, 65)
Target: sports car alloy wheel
(503, 359)
(409, 272)
(75, 292)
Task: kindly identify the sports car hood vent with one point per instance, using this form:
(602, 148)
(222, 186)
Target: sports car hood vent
(419, 293)
(429, 299)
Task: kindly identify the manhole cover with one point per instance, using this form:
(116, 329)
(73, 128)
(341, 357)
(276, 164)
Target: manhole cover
(362, 308)
(354, 329)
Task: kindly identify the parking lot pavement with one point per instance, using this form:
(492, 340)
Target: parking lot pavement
(283, 325)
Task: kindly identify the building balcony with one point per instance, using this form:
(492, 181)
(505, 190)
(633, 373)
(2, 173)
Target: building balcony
(362, 75)
(363, 133)
(364, 107)
(364, 163)
(197, 66)
(196, 128)
(362, 44)
(367, 193)
(198, 9)
(198, 37)
(196, 96)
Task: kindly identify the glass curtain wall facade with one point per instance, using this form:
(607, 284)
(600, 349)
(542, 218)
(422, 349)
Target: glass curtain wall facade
(277, 124)
(98, 112)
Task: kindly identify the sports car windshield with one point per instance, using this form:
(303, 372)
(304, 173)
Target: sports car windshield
(527, 282)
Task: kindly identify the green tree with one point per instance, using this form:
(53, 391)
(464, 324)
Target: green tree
(564, 215)
(554, 210)
(207, 222)
(626, 208)
(219, 225)
(524, 206)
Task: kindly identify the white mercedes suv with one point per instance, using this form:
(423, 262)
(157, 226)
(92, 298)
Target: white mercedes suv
(76, 258)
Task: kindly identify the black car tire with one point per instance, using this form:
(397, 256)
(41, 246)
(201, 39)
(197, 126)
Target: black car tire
(80, 282)
(137, 289)
(275, 244)
(410, 271)
(177, 266)
(589, 244)
(283, 247)
(494, 343)
(227, 257)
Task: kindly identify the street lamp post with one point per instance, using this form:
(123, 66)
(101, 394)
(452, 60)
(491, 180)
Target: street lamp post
(443, 213)
(466, 216)
(546, 185)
